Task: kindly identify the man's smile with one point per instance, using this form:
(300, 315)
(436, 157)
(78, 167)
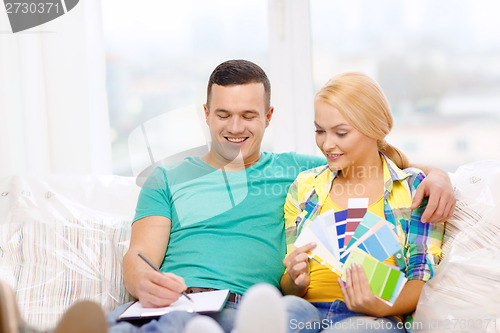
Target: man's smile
(235, 140)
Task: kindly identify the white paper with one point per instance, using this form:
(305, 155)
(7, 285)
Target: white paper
(320, 253)
(328, 223)
(209, 301)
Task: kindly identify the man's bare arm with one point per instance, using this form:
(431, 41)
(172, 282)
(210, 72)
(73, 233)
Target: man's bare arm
(437, 186)
(150, 237)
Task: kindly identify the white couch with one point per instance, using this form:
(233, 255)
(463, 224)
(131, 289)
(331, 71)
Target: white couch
(464, 295)
(62, 238)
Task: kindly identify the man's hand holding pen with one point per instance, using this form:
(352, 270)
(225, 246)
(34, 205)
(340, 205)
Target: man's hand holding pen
(157, 289)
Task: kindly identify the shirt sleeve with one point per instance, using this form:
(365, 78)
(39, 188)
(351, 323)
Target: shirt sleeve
(154, 198)
(423, 239)
(307, 162)
(292, 211)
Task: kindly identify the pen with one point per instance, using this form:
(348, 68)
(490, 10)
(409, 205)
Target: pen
(156, 269)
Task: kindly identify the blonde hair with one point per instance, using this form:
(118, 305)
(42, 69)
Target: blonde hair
(363, 104)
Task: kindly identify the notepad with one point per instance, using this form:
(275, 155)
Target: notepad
(209, 301)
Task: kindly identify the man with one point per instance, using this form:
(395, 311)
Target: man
(216, 222)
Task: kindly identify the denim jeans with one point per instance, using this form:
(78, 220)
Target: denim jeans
(302, 318)
(336, 317)
(173, 322)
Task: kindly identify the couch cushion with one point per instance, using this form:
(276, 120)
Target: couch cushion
(463, 296)
(63, 239)
(477, 191)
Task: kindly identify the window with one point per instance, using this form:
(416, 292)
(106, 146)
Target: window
(437, 62)
(159, 57)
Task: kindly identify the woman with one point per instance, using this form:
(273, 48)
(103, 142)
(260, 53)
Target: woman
(352, 118)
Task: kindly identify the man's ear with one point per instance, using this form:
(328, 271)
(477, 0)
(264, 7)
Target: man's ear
(206, 112)
(269, 115)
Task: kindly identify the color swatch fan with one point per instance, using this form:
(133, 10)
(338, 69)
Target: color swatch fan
(355, 235)
(375, 236)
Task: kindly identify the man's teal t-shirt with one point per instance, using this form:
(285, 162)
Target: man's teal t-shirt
(227, 227)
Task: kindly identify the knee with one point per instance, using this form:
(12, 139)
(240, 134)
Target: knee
(174, 321)
(177, 317)
(302, 315)
(298, 304)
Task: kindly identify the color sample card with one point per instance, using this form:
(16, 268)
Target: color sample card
(320, 253)
(356, 209)
(340, 223)
(375, 236)
(324, 228)
(385, 282)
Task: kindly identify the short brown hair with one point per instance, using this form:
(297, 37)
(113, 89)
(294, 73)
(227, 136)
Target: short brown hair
(238, 72)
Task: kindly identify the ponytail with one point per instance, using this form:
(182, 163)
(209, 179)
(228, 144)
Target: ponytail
(393, 154)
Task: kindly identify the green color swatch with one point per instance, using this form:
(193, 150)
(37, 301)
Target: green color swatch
(385, 281)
